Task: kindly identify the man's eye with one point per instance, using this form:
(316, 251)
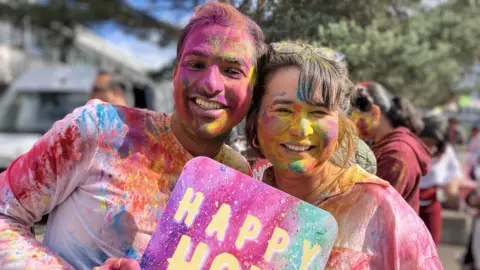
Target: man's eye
(233, 72)
(194, 65)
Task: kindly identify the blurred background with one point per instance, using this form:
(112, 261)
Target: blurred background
(51, 52)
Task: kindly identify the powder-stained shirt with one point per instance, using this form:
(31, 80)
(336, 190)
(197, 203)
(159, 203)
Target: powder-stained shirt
(104, 173)
(377, 229)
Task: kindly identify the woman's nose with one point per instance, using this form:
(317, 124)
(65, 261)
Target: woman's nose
(301, 128)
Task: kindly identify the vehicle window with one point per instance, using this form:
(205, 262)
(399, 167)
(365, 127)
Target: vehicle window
(38, 111)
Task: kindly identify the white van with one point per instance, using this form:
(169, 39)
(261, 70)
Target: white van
(41, 96)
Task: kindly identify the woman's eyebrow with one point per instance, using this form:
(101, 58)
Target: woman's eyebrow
(280, 101)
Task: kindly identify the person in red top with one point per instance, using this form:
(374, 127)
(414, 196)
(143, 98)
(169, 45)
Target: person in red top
(391, 124)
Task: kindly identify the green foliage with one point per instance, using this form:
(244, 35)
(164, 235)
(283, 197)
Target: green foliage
(415, 52)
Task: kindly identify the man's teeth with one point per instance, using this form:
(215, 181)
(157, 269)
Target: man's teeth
(207, 104)
(297, 148)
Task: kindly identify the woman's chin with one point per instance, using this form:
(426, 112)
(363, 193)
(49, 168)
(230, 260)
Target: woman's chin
(301, 166)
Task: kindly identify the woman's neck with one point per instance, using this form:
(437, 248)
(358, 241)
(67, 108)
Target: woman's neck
(305, 186)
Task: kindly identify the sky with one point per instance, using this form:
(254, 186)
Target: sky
(149, 54)
(146, 52)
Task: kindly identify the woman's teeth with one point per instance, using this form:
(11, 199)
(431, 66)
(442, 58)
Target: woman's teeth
(207, 105)
(297, 148)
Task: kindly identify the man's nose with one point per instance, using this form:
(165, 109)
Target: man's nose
(212, 82)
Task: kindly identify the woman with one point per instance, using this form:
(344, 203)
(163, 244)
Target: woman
(296, 122)
(445, 171)
(391, 123)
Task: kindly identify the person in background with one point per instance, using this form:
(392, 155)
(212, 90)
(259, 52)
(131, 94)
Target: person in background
(454, 134)
(391, 123)
(109, 88)
(471, 261)
(445, 173)
(474, 131)
(105, 172)
(297, 121)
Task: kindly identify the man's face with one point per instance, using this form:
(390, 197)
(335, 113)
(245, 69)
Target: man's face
(213, 79)
(104, 93)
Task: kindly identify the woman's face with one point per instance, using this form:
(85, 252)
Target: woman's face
(366, 122)
(294, 135)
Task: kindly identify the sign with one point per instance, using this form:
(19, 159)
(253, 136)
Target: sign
(218, 218)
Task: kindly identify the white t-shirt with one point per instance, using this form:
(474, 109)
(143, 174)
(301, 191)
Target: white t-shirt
(442, 170)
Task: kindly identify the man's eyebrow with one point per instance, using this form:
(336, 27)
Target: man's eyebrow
(233, 60)
(197, 52)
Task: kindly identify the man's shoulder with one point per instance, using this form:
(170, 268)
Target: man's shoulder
(108, 116)
(234, 160)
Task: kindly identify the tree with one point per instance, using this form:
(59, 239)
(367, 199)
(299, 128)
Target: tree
(414, 51)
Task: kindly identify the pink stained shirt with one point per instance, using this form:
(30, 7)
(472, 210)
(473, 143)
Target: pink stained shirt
(103, 173)
(377, 229)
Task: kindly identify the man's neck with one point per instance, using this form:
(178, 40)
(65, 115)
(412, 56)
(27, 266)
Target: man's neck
(193, 144)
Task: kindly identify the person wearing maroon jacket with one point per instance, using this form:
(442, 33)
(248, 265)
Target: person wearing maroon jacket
(390, 124)
(445, 171)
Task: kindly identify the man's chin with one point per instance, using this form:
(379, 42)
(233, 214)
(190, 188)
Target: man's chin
(207, 132)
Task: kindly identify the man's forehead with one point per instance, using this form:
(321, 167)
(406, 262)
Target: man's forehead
(216, 36)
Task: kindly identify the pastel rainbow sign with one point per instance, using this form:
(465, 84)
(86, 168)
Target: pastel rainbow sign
(218, 218)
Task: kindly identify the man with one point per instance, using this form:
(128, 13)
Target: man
(109, 88)
(105, 172)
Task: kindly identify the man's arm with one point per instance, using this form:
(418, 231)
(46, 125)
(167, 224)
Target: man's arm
(39, 180)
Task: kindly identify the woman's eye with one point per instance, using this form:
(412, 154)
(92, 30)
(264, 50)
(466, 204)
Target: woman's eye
(319, 113)
(283, 110)
(194, 65)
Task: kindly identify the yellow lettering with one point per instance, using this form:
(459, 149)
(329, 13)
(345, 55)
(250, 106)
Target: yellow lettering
(278, 243)
(308, 253)
(225, 260)
(178, 260)
(250, 230)
(219, 222)
(189, 208)
(253, 267)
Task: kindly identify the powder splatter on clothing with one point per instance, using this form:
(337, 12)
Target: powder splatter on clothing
(377, 229)
(104, 173)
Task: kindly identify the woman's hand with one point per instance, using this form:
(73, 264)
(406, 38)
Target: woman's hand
(120, 264)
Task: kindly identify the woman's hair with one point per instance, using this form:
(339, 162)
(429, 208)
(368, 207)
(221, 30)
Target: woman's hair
(214, 13)
(398, 110)
(435, 127)
(322, 80)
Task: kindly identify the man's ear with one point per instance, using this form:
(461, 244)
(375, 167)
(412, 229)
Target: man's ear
(376, 112)
(175, 69)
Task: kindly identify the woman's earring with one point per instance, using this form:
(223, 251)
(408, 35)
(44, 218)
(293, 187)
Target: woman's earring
(255, 143)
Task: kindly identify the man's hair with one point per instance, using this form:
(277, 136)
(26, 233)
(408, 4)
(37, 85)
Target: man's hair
(214, 13)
